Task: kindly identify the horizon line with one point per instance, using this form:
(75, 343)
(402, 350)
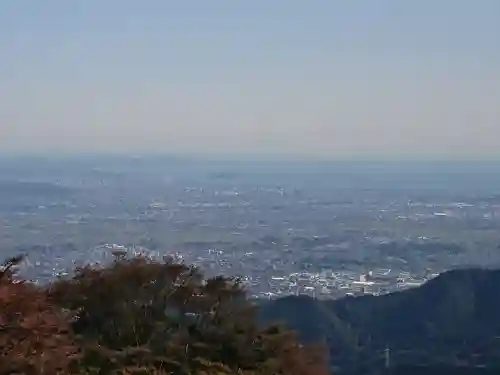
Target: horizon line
(248, 157)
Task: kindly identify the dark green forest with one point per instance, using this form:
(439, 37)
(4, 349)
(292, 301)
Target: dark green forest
(452, 320)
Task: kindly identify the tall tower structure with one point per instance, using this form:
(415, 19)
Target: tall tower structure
(387, 355)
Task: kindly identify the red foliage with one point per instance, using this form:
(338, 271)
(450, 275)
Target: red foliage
(141, 316)
(34, 336)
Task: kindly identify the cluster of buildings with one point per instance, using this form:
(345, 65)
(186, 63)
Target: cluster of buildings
(336, 284)
(326, 244)
(262, 279)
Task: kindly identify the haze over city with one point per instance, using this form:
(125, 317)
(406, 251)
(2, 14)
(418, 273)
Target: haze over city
(176, 177)
(335, 79)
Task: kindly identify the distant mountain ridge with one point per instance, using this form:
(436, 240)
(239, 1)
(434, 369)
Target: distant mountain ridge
(32, 188)
(454, 318)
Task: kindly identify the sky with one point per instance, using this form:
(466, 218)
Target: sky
(317, 78)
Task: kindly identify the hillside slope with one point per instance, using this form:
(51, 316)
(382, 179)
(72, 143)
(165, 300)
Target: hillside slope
(452, 318)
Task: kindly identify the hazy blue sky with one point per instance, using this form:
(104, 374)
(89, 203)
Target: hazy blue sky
(413, 78)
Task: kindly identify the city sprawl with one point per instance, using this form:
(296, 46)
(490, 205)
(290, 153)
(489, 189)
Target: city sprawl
(323, 229)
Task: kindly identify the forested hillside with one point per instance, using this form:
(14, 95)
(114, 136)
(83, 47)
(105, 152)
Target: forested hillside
(142, 316)
(139, 316)
(452, 319)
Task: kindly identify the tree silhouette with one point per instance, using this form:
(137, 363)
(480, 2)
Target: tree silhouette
(140, 316)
